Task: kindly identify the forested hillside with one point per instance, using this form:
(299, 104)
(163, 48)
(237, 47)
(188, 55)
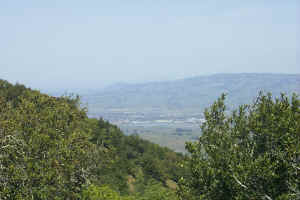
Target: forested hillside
(50, 149)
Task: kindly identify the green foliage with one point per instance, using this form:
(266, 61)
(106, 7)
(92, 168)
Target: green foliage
(132, 156)
(253, 153)
(153, 191)
(93, 192)
(49, 149)
(156, 191)
(10, 92)
(44, 145)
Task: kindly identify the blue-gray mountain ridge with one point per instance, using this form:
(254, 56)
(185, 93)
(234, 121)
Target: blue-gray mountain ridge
(191, 93)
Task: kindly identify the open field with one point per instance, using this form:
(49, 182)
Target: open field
(169, 136)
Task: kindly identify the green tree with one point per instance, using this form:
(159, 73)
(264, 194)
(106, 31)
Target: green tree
(49, 149)
(156, 191)
(44, 147)
(93, 192)
(250, 153)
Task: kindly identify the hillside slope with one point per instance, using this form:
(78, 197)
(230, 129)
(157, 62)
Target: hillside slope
(192, 93)
(50, 149)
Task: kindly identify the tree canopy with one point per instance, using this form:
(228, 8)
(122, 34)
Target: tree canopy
(50, 149)
(250, 153)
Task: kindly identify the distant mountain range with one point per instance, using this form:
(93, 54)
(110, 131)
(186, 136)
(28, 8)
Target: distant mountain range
(191, 93)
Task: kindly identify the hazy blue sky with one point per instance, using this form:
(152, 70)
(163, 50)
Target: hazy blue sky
(69, 43)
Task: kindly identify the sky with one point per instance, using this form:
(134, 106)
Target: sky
(92, 44)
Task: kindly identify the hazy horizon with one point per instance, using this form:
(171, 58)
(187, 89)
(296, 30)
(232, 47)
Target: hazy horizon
(92, 44)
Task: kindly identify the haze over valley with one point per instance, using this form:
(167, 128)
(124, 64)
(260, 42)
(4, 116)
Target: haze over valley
(171, 112)
(150, 100)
